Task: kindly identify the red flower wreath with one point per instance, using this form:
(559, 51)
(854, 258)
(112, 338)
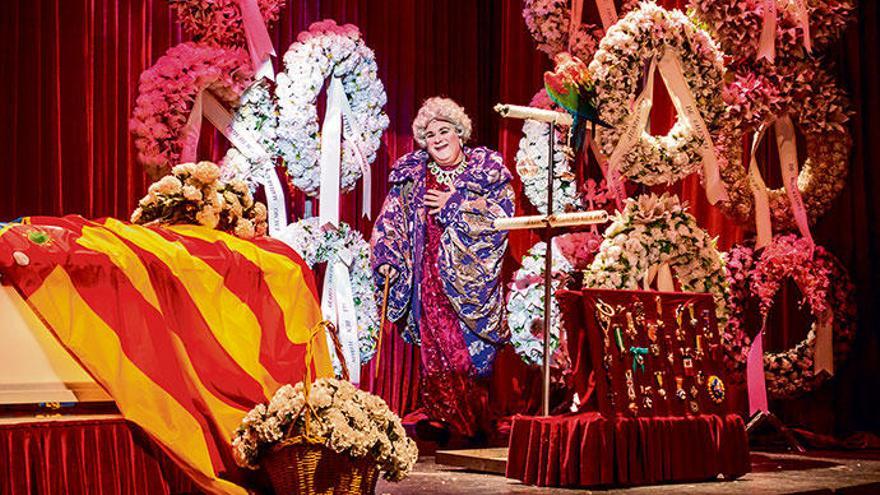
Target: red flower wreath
(825, 285)
(167, 91)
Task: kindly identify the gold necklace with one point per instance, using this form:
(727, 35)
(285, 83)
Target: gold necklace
(446, 177)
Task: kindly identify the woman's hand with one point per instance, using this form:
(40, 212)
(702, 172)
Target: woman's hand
(387, 271)
(436, 199)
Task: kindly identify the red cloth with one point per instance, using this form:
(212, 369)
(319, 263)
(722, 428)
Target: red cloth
(587, 449)
(107, 456)
(586, 343)
(612, 447)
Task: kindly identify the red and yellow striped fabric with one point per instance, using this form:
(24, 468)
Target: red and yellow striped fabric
(187, 328)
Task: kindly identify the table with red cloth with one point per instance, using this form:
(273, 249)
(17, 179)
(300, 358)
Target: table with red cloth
(648, 370)
(106, 455)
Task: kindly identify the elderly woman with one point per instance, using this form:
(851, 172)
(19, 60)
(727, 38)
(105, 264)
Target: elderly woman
(434, 241)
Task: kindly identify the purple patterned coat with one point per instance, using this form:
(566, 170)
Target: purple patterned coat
(471, 251)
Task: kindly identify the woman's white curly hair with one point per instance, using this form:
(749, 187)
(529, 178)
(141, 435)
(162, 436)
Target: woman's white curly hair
(445, 109)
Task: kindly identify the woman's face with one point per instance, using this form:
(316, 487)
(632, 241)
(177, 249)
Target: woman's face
(443, 142)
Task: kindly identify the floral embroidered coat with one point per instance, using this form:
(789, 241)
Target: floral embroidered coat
(471, 251)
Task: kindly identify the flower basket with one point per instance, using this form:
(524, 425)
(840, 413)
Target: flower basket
(325, 437)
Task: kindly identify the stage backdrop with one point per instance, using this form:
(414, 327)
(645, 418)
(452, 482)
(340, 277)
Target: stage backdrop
(68, 80)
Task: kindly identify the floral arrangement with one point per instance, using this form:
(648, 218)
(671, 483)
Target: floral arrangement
(256, 115)
(219, 22)
(826, 289)
(821, 110)
(167, 92)
(737, 26)
(525, 302)
(549, 23)
(642, 35)
(194, 194)
(653, 230)
(328, 50)
(343, 418)
(316, 245)
(532, 162)
(736, 338)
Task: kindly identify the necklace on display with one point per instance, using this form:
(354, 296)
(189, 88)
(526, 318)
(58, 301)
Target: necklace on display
(446, 177)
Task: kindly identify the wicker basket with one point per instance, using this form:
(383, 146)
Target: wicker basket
(302, 465)
(304, 468)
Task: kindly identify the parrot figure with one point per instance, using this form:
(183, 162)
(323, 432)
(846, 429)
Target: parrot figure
(568, 85)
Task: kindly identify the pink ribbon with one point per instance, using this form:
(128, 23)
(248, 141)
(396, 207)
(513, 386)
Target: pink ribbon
(258, 41)
(823, 360)
(191, 131)
(788, 163)
(767, 42)
(607, 13)
(757, 386)
(786, 144)
(613, 180)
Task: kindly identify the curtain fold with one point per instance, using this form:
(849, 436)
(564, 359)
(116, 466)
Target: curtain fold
(69, 71)
(107, 456)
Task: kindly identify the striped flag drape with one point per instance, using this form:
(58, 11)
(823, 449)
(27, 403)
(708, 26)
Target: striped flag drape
(187, 328)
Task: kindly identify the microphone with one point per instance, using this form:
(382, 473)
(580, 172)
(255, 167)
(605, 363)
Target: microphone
(520, 112)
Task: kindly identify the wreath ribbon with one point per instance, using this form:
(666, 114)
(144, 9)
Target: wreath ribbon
(191, 131)
(757, 384)
(663, 274)
(635, 123)
(331, 154)
(338, 121)
(208, 106)
(788, 163)
(684, 102)
(258, 41)
(337, 307)
(612, 176)
(823, 360)
(823, 347)
(607, 12)
(352, 132)
(767, 41)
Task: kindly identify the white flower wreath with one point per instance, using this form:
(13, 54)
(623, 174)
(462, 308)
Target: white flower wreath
(256, 116)
(651, 231)
(646, 34)
(532, 162)
(525, 307)
(525, 303)
(317, 245)
(327, 50)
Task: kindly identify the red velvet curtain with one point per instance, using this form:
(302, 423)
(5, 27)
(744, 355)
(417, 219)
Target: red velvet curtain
(68, 79)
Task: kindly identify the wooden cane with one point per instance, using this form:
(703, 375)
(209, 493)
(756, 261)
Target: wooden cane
(382, 324)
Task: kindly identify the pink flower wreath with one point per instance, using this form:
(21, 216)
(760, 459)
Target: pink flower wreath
(818, 106)
(737, 26)
(218, 22)
(825, 286)
(167, 92)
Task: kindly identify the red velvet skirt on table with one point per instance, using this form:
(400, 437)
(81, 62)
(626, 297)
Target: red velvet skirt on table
(610, 446)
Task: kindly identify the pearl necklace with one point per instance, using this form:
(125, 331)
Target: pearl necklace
(446, 177)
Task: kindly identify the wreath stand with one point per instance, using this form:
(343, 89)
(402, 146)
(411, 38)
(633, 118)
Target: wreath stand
(766, 417)
(548, 222)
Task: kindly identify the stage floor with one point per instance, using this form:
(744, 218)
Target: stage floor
(815, 473)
